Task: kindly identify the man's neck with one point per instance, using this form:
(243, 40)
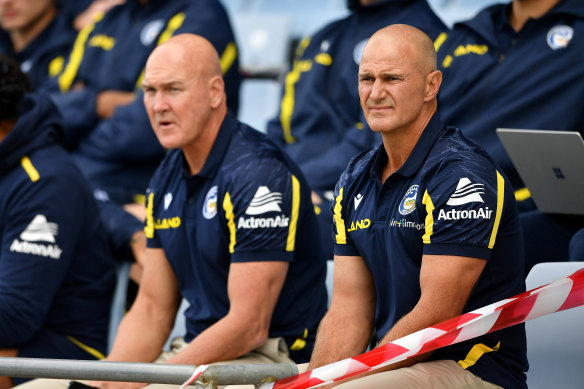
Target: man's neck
(523, 10)
(22, 37)
(400, 144)
(196, 153)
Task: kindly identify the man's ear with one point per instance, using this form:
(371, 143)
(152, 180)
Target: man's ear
(216, 91)
(433, 82)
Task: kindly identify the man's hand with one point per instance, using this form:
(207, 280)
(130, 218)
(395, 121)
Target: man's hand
(107, 102)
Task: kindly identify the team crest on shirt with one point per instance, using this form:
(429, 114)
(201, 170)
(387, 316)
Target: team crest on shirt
(151, 31)
(408, 203)
(210, 205)
(559, 37)
(358, 51)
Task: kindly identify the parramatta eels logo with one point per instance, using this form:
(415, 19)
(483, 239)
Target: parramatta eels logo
(408, 203)
(151, 31)
(210, 205)
(559, 37)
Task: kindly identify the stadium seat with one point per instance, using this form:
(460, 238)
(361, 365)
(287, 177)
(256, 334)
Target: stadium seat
(452, 11)
(555, 342)
(118, 303)
(118, 307)
(307, 16)
(258, 102)
(264, 43)
(180, 326)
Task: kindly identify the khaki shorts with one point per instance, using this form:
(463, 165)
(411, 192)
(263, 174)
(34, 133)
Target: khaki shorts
(444, 374)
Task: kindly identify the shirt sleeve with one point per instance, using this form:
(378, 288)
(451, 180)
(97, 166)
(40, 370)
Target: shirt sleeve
(343, 245)
(262, 211)
(39, 239)
(152, 240)
(463, 204)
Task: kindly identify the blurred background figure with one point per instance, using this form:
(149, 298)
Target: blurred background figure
(37, 35)
(518, 65)
(56, 273)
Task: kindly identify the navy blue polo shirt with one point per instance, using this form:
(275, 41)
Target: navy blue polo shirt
(248, 203)
(496, 77)
(447, 199)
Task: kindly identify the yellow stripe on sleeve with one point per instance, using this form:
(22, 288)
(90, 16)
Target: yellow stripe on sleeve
(29, 169)
(149, 228)
(429, 223)
(294, 214)
(440, 40)
(228, 207)
(173, 24)
(341, 236)
(500, 200)
(56, 66)
(66, 78)
(288, 100)
(477, 351)
(86, 348)
(228, 57)
(522, 194)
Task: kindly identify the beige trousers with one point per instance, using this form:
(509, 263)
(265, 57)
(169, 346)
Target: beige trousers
(444, 374)
(273, 351)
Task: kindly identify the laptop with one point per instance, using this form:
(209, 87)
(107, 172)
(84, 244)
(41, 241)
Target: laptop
(551, 164)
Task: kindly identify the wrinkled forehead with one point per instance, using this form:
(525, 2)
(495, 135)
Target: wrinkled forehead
(380, 53)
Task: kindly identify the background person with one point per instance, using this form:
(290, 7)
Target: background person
(490, 81)
(38, 35)
(56, 273)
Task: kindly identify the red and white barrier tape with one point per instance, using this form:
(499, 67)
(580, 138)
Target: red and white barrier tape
(198, 371)
(565, 293)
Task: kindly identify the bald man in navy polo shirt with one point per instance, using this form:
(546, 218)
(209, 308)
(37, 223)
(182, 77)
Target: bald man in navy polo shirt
(230, 228)
(425, 228)
(230, 225)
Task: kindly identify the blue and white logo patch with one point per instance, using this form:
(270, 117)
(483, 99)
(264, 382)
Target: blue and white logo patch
(559, 37)
(150, 31)
(408, 203)
(210, 205)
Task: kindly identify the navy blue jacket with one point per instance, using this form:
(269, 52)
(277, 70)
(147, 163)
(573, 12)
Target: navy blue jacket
(111, 53)
(248, 203)
(44, 57)
(495, 77)
(55, 270)
(448, 198)
(320, 123)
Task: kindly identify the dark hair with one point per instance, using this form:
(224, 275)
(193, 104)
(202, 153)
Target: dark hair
(13, 85)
